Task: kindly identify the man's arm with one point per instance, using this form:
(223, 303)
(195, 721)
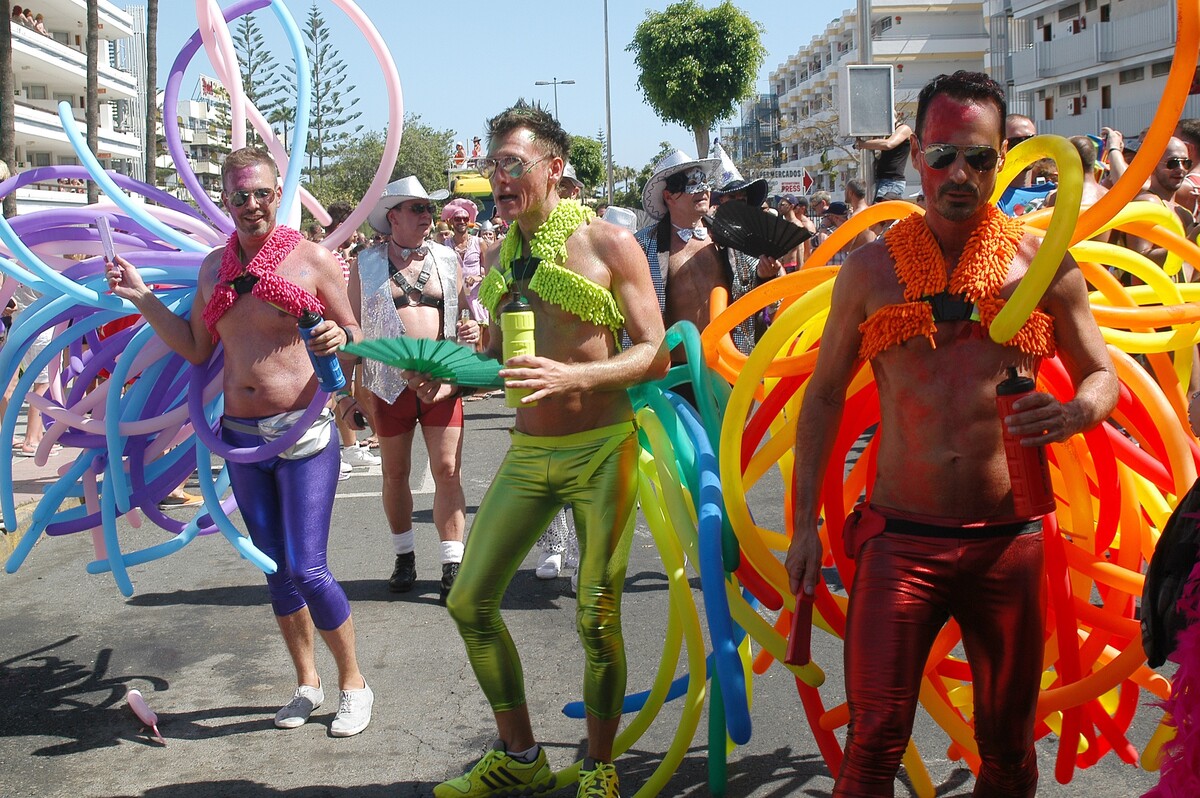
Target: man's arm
(821, 415)
(188, 337)
(1142, 246)
(1040, 416)
(898, 137)
(340, 326)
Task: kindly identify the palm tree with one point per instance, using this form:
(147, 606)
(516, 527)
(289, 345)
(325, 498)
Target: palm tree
(92, 111)
(150, 142)
(8, 116)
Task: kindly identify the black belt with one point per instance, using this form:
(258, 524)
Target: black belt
(904, 526)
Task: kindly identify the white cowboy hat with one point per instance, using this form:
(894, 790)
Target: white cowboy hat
(406, 188)
(676, 162)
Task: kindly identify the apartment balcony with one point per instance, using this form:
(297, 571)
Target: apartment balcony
(1147, 32)
(893, 46)
(43, 61)
(39, 130)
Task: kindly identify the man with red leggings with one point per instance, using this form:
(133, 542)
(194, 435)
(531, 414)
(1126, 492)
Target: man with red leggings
(940, 537)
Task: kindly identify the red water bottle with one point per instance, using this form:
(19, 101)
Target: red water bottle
(1028, 470)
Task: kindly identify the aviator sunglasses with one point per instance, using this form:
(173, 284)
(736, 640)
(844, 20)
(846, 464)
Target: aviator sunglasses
(1179, 163)
(979, 157)
(239, 198)
(511, 165)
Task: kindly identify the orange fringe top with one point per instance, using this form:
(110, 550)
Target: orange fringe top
(979, 276)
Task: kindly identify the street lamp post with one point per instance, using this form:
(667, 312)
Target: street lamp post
(555, 83)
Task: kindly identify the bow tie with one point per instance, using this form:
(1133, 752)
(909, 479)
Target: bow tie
(687, 233)
(408, 252)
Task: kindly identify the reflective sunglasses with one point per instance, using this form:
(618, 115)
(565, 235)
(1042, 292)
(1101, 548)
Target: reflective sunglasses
(979, 157)
(239, 198)
(1015, 140)
(419, 209)
(511, 165)
(693, 181)
(1179, 163)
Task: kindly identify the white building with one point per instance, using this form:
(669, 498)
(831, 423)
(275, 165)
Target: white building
(921, 39)
(1074, 67)
(204, 133)
(51, 69)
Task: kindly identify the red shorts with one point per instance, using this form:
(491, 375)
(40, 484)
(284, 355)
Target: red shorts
(401, 416)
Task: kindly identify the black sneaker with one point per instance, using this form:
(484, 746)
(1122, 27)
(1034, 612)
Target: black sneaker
(404, 574)
(449, 573)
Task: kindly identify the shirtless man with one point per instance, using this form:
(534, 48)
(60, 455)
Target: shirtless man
(1165, 181)
(685, 263)
(412, 287)
(940, 537)
(249, 295)
(574, 443)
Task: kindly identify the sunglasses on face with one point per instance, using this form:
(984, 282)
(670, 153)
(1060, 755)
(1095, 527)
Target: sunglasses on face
(979, 157)
(1015, 140)
(239, 198)
(511, 165)
(419, 209)
(1179, 163)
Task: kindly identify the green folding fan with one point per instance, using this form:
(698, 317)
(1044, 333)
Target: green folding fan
(443, 360)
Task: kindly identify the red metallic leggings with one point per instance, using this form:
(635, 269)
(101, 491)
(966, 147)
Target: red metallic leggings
(905, 589)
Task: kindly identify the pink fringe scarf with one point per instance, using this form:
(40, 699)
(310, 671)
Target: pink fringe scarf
(1180, 774)
(270, 288)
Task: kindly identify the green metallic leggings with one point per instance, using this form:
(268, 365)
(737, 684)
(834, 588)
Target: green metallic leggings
(595, 472)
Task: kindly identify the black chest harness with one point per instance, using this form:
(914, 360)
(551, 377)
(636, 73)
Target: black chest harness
(414, 294)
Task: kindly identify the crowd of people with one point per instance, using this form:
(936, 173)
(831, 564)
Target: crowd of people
(940, 538)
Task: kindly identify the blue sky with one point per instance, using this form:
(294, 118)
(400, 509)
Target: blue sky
(461, 63)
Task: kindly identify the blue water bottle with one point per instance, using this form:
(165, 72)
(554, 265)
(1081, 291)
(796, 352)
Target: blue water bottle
(329, 371)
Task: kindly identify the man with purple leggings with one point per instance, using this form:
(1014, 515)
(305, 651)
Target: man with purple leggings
(249, 295)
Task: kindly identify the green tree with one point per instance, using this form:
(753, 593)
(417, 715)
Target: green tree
(331, 104)
(260, 72)
(697, 64)
(422, 153)
(587, 156)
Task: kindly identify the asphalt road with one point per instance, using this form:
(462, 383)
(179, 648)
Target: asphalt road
(198, 640)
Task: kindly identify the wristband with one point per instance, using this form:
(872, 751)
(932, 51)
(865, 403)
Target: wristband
(346, 331)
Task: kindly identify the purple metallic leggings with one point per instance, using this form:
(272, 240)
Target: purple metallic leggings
(287, 506)
(905, 589)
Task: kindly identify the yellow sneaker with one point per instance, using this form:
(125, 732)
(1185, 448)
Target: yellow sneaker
(499, 774)
(599, 782)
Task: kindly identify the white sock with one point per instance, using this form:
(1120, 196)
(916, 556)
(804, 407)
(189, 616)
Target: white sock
(452, 551)
(526, 756)
(404, 542)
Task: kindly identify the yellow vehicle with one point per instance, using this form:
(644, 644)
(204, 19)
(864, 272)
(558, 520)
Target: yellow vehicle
(465, 181)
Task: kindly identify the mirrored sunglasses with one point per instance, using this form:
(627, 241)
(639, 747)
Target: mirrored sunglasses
(979, 157)
(239, 198)
(1179, 163)
(511, 165)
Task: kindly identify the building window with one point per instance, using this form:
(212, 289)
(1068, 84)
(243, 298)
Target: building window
(1093, 84)
(36, 91)
(1131, 75)
(69, 99)
(1068, 89)
(39, 159)
(1106, 96)
(1090, 5)
(1068, 12)
(1160, 69)
(1105, 13)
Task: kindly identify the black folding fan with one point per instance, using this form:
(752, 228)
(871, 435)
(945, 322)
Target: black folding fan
(443, 360)
(755, 232)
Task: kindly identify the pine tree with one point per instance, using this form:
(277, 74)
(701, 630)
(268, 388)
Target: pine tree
(260, 78)
(331, 114)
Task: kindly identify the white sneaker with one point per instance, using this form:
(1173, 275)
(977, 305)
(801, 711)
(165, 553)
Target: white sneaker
(303, 702)
(358, 456)
(549, 565)
(354, 712)
(345, 472)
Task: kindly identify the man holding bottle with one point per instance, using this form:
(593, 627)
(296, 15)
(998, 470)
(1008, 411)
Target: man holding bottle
(249, 295)
(940, 536)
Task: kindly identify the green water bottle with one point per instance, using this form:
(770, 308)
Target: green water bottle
(516, 325)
